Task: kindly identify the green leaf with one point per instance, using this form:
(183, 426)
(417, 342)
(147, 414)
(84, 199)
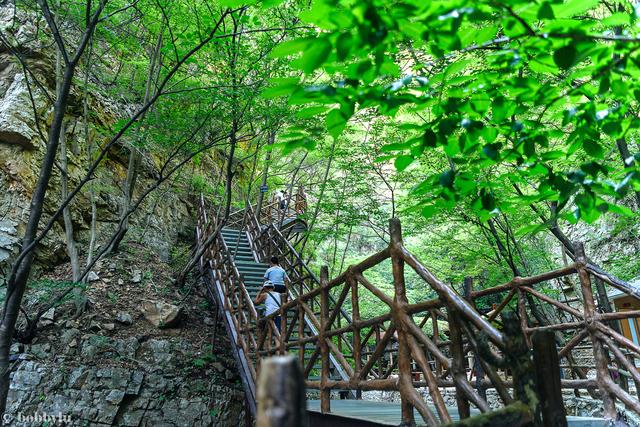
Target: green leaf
(491, 151)
(616, 19)
(574, 7)
(403, 162)
(309, 112)
(546, 11)
(236, 3)
(282, 87)
(429, 139)
(343, 45)
(530, 229)
(267, 4)
(290, 47)
(428, 211)
(315, 55)
(335, 122)
(565, 56)
(620, 210)
(397, 146)
(592, 148)
(543, 64)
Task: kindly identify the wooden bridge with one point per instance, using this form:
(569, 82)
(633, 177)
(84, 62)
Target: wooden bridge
(406, 349)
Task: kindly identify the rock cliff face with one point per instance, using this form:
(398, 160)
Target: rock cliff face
(161, 219)
(613, 242)
(111, 365)
(97, 359)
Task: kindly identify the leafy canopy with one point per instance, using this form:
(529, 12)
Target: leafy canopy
(533, 95)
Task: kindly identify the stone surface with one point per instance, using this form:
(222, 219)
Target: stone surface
(140, 396)
(73, 369)
(49, 314)
(136, 277)
(160, 314)
(124, 318)
(21, 153)
(8, 238)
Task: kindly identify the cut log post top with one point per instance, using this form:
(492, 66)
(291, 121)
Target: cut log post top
(281, 394)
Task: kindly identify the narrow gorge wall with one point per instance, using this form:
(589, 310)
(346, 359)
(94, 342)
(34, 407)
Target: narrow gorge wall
(98, 358)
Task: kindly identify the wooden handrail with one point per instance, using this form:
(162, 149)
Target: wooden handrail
(393, 350)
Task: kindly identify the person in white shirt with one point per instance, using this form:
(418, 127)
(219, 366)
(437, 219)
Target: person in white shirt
(271, 300)
(278, 196)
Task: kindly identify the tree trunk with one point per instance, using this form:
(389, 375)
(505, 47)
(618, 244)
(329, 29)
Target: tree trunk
(265, 173)
(316, 211)
(232, 150)
(135, 156)
(17, 282)
(90, 150)
(72, 250)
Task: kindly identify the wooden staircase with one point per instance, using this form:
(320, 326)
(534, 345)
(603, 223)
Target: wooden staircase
(393, 350)
(252, 277)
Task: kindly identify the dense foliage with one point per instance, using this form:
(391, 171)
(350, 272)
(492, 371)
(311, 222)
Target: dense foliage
(502, 119)
(496, 131)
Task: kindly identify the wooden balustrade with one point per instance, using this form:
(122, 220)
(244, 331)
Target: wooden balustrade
(402, 347)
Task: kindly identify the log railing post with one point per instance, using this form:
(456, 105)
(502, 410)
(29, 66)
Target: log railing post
(599, 353)
(400, 302)
(467, 291)
(283, 324)
(547, 366)
(325, 393)
(458, 362)
(377, 332)
(436, 337)
(281, 394)
(301, 349)
(355, 319)
(522, 313)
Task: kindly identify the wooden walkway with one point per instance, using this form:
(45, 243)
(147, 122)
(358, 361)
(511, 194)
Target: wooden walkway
(404, 346)
(387, 413)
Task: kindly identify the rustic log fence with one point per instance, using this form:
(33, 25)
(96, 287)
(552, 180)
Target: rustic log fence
(402, 347)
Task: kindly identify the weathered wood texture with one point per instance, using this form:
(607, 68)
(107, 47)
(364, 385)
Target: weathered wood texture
(547, 373)
(281, 394)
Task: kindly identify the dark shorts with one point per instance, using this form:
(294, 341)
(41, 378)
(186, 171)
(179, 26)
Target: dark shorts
(281, 289)
(262, 323)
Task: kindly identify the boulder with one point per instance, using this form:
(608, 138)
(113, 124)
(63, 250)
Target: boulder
(93, 277)
(124, 318)
(49, 314)
(16, 120)
(8, 238)
(136, 277)
(160, 314)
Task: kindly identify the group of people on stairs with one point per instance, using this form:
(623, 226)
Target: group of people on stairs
(275, 279)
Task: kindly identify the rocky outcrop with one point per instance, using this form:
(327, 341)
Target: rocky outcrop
(142, 396)
(109, 365)
(160, 220)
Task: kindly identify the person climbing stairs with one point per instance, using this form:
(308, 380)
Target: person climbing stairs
(252, 273)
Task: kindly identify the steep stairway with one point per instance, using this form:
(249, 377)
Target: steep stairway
(251, 270)
(252, 273)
